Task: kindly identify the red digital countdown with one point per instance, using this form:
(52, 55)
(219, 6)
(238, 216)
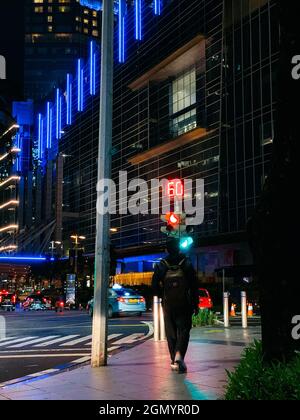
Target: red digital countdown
(175, 188)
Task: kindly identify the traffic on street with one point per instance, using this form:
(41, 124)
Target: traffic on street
(45, 342)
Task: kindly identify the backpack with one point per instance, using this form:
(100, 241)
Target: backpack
(176, 285)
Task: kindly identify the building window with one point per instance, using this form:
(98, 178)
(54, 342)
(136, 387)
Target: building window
(64, 9)
(50, 19)
(95, 33)
(183, 103)
(39, 9)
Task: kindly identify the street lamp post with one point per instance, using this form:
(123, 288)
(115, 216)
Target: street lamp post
(76, 239)
(102, 251)
(52, 248)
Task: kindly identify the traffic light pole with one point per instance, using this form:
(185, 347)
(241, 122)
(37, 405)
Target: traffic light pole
(102, 252)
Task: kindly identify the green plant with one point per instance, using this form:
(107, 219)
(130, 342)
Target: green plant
(254, 379)
(204, 318)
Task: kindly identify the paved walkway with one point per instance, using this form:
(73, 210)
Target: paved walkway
(143, 373)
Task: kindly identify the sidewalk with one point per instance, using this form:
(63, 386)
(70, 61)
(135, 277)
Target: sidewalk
(143, 373)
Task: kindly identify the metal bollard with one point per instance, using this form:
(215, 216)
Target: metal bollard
(156, 323)
(244, 310)
(226, 310)
(162, 323)
(2, 328)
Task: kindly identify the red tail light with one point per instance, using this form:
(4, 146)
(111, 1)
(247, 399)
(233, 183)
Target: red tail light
(142, 300)
(14, 299)
(62, 304)
(121, 299)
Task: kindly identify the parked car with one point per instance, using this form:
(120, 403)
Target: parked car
(122, 301)
(205, 301)
(7, 301)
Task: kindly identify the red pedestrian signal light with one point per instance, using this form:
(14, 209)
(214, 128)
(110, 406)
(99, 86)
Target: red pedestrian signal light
(173, 219)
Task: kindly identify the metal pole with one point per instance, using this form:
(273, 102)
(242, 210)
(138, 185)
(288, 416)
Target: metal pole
(102, 251)
(162, 322)
(156, 323)
(244, 310)
(226, 310)
(76, 259)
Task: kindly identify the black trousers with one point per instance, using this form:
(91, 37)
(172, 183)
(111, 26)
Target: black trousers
(178, 323)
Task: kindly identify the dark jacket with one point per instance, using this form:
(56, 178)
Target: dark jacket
(190, 274)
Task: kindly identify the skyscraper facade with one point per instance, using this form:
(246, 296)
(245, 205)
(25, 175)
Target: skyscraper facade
(56, 32)
(194, 97)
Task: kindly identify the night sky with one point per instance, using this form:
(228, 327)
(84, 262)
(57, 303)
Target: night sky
(12, 46)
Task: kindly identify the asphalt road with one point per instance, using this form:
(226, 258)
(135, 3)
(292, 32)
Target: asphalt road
(38, 343)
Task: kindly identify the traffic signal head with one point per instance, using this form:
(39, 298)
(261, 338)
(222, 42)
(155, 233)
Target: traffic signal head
(173, 223)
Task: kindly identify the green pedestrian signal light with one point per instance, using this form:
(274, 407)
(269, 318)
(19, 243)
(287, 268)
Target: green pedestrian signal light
(186, 243)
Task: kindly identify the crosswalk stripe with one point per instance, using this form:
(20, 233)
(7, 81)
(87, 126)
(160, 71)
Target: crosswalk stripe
(17, 340)
(56, 340)
(28, 343)
(110, 337)
(129, 339)
(82, 360)
(6, 339)
(113, 348)
(74, 342)
(87, 358)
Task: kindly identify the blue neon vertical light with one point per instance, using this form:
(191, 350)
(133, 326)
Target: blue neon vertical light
(49, 125)
(19, 157)
(58, 114)
(92, 69)
(157, 7)
(80, 85)
(122, 6)
(138, 19)
(69, 99)
(40, 136)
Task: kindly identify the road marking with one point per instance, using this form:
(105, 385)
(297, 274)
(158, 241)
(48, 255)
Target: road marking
(87, 358)
(151, 329)
(6, 338)
(110, 337)
(130, 339)
(57, 340)
(17, 340)
(82, 360)
(32, 356)
(28, 343)
(74, 342)
(44, 372)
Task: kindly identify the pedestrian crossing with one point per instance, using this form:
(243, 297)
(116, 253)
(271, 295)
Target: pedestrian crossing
(64, 342)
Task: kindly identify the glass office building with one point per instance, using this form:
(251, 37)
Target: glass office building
(194, 98)
(56, 32)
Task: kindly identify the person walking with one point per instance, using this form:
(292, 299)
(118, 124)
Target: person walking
(175, 282)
